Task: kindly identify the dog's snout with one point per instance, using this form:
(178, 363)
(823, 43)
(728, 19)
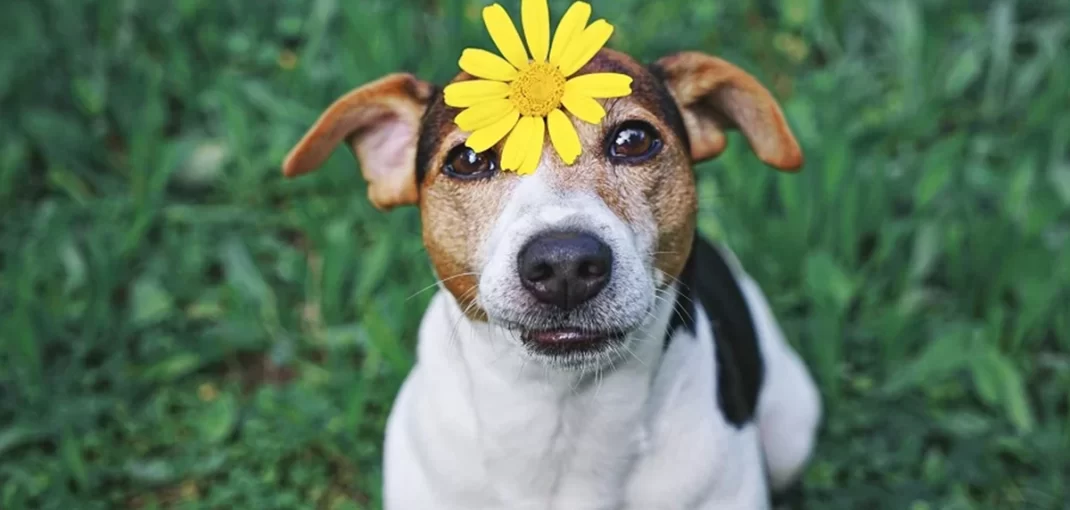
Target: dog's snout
(565, 269)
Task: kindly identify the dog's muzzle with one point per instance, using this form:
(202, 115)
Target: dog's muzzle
(564, 270)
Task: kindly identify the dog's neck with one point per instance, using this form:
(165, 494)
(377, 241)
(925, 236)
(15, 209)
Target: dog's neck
(493, 399)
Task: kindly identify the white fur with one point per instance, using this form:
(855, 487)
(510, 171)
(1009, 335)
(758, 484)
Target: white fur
(482, 423)
(539, 204)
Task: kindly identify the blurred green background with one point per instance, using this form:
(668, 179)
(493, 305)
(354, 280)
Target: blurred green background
(182, 328)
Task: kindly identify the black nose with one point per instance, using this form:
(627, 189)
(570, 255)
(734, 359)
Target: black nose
(565, 269)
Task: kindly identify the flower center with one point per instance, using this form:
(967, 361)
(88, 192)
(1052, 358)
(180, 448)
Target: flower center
(538, 89)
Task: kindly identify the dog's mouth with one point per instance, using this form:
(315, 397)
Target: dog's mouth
(564, 341)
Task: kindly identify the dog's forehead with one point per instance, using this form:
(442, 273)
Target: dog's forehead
(648, 92)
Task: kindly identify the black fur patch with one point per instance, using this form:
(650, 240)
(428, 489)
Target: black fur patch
(667, 105)
(707, 280)
(435, 116)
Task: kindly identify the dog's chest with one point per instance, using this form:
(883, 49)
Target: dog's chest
(567, 451)
(618, 445)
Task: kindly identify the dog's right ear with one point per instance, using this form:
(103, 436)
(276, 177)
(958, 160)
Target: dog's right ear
(715, 96)
(381, 123)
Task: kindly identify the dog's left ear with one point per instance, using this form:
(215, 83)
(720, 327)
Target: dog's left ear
(381, 123)
(715, 96)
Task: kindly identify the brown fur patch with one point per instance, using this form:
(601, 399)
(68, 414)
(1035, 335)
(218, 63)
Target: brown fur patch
(457, 216)
(716, 96)
(664, 185)
(380, 121)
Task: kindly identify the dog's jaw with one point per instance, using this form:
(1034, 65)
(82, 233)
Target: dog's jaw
(538, 205)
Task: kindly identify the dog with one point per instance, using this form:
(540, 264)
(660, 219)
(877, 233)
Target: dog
(586, 349)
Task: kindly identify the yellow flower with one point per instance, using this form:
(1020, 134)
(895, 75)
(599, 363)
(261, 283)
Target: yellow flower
(521, 97)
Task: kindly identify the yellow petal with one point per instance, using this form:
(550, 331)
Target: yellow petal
(535, 15)
(600, 85)
(484, 64)
(564, 137)
(533, 151)
(583, 48)
(467, 93)
(570, 27)
(513, 153)
(485, 138)
(483, 114)
(583, 107)
(506, 38)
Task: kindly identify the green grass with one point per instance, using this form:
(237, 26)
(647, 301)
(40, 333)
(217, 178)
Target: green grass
(181, 327)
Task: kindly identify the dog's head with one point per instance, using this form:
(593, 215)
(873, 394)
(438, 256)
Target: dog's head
(572, 256)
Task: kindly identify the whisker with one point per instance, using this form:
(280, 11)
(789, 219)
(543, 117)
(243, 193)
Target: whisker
(598, 379)
(673, 279)
(676, 306)
(464, 315)
(500, 352)
(444, 280)
(572, 387)
(677, 309)
(523, 361)
(634, 355)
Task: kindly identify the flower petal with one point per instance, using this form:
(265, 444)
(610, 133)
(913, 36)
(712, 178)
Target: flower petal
(533, 151)
(506, 38)
(568, 29)
(563, 136)
(513, 153)
(601, 85)
(584, 107)
(483, 139)
(584, 47)
(484, 64)
(470, 92)
(483, 114)
(535, 14)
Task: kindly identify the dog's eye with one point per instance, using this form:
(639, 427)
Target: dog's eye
(634, 142)
(465, 163)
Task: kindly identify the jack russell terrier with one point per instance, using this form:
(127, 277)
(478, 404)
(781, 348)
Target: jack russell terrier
(587, 349)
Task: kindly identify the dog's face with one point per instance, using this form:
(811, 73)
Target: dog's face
(571, 257)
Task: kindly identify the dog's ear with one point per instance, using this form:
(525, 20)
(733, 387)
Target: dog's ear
(381, 123)
(714, 96)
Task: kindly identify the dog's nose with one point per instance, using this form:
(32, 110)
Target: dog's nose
(565, 269)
